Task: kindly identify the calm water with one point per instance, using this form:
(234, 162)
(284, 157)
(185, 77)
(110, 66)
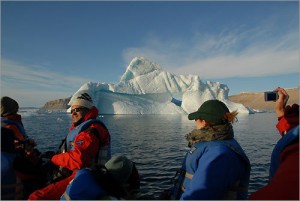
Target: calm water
(156, 143)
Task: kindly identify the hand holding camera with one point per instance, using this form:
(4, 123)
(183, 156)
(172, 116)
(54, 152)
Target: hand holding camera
(280, 96)
(280, 104)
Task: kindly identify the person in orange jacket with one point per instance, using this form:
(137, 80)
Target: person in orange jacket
(87, 143)
(284, 169)
(12, 120)
(26, 163)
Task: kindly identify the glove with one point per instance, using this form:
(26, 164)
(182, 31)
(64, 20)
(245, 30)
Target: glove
(289, 120)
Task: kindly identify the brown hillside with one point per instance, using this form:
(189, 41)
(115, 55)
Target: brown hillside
(255, 100)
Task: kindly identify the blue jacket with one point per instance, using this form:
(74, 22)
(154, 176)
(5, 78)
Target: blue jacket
(83, 187)
(286, 140)
(215, 170)
(8, 176)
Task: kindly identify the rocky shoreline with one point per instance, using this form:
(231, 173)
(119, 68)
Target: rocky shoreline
(254, 100)
(57, 104)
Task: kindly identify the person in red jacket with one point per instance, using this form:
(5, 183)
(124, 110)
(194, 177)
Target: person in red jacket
(284, 169)
(87, 143)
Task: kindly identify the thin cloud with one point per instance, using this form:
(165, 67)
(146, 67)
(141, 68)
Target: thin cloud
(239, 52)
(262, 63)
(38, 76)
(24, 82)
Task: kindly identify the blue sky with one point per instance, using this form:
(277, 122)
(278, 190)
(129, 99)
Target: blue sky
(49, 49)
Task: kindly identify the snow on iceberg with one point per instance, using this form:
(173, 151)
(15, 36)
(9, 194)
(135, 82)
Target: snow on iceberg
(145, 88)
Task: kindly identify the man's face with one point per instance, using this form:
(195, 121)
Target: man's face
(78, 112)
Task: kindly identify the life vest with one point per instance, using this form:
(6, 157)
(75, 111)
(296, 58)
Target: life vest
(6, 121)
(104, 153)
(285, 141)
(184, 176)
(11, 186)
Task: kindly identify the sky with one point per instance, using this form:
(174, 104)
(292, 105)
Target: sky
(51, 48)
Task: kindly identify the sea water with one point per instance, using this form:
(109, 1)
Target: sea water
(156, 143)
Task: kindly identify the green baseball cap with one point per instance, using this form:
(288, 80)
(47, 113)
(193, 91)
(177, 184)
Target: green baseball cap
(212, 111)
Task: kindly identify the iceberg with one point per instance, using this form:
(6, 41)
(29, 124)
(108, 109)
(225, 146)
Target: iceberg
(145, 88)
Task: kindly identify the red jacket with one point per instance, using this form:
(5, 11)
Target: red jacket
(86, 145)
(285, 183)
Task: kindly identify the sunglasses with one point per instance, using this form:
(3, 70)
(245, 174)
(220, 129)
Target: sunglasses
(78, 109)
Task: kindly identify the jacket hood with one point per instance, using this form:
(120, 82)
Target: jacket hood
(92, 114)
(14, 117)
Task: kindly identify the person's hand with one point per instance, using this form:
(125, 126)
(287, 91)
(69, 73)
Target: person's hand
(32, 142)
(280, 104)
(29, 145)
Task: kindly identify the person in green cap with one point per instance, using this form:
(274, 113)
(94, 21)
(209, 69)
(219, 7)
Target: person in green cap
(215, 167)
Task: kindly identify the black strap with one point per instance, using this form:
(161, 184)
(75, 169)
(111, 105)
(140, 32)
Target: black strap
(63, 143)
(180, 174)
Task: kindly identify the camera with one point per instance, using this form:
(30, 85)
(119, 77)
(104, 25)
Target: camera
(271, 95)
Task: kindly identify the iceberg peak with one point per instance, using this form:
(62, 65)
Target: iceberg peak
(145, 88)
(139, 66)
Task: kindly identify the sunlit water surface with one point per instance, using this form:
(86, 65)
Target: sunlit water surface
(156, 143)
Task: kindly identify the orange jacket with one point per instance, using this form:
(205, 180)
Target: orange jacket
(86, 145)
(17, 118)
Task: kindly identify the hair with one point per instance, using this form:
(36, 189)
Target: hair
(230, 117)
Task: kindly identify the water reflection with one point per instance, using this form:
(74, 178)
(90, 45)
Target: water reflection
(156, 143)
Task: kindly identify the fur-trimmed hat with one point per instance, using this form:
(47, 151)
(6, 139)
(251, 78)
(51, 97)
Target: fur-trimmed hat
(84, 100)
(8, 106)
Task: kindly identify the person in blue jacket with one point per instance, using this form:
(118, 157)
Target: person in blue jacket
(216, 166)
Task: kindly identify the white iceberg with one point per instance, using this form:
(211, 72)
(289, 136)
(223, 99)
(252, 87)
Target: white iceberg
(145, 88)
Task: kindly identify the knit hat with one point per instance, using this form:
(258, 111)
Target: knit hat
(212, 111)
(84, 100)
(120, 168)
(8, 106)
